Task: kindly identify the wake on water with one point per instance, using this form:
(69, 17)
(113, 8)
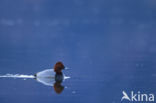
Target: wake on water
(48, 73)
(17, 76)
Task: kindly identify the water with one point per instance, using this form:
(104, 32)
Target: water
(109, 46)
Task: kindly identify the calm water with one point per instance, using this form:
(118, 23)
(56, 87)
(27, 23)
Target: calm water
(109, 46)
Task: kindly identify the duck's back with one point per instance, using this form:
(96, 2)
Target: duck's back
(48, 73)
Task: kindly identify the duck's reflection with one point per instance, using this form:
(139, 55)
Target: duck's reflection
(57, 85)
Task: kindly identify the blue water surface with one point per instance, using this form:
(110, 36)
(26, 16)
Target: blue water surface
(109, 46)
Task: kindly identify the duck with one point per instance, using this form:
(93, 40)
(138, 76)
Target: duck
(58, 67)
(52, 77)
(49, 76)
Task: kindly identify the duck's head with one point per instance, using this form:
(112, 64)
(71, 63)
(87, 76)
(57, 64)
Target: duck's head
(58, 67)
